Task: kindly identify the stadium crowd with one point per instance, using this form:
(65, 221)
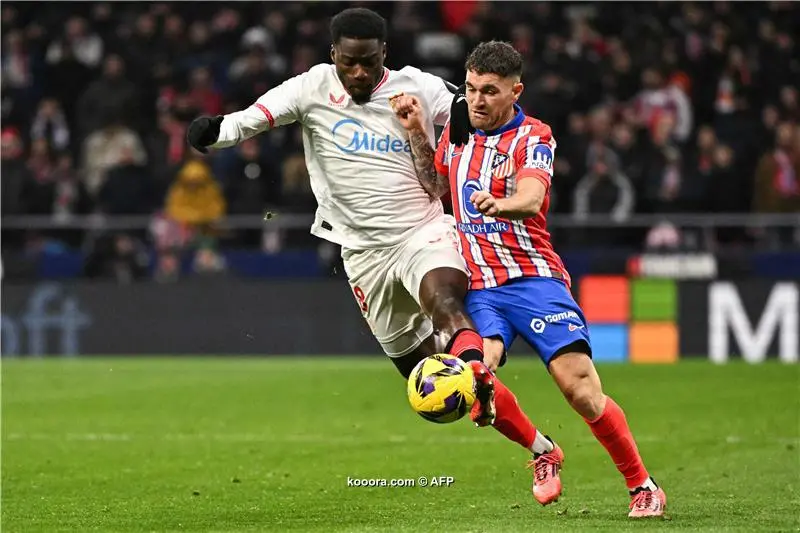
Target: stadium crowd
(656, 107)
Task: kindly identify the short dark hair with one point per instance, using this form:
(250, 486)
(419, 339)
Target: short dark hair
(358, 23)
(495, 57)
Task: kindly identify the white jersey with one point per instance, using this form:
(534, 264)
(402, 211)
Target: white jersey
(358, 156)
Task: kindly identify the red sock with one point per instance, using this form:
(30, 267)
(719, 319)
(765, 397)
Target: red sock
(511, 421)
(611, 429)
(466, 344)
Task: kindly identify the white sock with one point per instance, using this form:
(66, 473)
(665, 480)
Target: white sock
(649, 484)
(541, 444)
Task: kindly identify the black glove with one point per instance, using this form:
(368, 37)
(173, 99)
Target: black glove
(203, 131)
(460, 128)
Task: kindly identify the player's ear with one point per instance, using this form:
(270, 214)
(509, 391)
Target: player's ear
(517, 89)
(383, 52)
(333, 53)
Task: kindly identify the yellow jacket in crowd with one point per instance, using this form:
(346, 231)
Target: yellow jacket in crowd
(195, 197)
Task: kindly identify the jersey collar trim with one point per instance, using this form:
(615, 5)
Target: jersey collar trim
(515, 122)
(383, 80)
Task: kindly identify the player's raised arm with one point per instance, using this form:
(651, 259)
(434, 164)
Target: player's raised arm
(277, 107)
(534, 160)
(411, 115)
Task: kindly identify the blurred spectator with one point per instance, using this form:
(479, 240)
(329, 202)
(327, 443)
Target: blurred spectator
(120, 257)
(620, 82)
(632, 161)
(19, 76)
(252, 76)
(144, 44)
(111, 95)
(17, 60)
(666, 181)
(201, 51)
(195, 199)
(253, 180)
(166, 150)
(14, 172)
(296, 181)
(733, 84)
(720, 200)
(127, 188)
(108, 148)
(659, 98)
(604, 190)
(50, 125)
(777, 180)
(722, 179)
(87, 47)
(169, 239)
(700, 166)
(67, 80)
(550, 100)
(173, 42)
(194, 203)
(570, 161)
(790, 107)
(69, 196)
(677, 102)
(203, 96)
(765, 133)
(38, 191)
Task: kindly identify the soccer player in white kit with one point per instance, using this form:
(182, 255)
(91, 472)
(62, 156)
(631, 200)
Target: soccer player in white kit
(399, 248)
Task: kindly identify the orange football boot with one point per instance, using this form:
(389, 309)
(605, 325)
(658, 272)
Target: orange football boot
(546, 480)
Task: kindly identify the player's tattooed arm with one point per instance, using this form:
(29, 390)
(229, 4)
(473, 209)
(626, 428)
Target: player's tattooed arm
(423, 155)
(408, 110)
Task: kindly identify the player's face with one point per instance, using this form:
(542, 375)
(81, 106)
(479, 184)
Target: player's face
(491, 99)
(359, 64)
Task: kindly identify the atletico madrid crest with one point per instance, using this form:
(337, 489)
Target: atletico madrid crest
(502, 165)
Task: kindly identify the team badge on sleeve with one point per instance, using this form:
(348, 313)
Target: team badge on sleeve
(541, 157)
(502, 165)
(539, 153)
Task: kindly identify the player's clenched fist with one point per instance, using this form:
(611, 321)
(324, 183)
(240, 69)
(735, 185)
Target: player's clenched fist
(202, 132)
(408, 111)
(485, 203)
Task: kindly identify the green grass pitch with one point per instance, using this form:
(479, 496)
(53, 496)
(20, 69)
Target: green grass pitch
(236, 444)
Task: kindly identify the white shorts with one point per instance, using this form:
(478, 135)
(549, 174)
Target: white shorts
(386, 283)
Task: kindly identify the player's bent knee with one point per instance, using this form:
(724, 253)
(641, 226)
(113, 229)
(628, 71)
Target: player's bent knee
(579, 383)
(448, 314)
(586, 398)
(447, 305)
(443, 291)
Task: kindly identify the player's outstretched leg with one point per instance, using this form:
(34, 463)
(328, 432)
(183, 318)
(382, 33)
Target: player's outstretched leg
(442, 293)
(577, 378)
(547, 456)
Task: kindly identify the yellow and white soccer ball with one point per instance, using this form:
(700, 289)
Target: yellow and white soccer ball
(441, 388)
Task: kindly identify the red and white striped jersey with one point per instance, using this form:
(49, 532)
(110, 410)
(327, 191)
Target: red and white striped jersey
(497, 250)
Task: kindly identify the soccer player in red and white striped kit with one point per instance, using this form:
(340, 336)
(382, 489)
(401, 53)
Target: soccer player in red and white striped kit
(499, 180)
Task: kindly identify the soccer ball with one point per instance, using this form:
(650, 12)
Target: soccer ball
(441, 388)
